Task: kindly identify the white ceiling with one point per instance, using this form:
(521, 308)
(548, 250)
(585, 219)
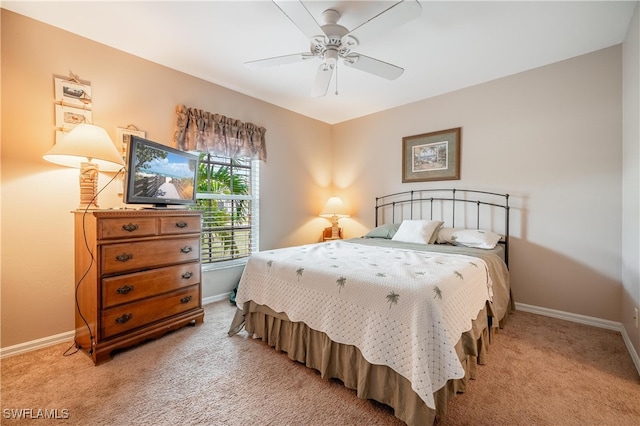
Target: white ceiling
(451, 45)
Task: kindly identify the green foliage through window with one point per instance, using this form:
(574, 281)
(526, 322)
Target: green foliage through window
(227, 193)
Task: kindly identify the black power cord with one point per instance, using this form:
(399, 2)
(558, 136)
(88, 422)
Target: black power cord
(86, 244)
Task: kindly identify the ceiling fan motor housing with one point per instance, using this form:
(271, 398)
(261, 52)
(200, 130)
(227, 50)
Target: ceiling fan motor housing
(329, 46)
(320, 48)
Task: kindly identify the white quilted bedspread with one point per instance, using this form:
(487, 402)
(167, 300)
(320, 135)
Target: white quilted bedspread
(402, 308)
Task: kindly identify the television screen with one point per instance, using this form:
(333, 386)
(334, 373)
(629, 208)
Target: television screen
(159, 175)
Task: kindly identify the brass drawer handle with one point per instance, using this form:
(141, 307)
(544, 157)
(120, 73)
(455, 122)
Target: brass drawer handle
(187, 275)
(186, 249)
(186, 299)
(124, 257)
(181, 224)
(125, 289)
(130, 227)
(124, 318)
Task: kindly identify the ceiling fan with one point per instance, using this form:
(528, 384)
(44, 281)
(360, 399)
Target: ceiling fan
(332, 41)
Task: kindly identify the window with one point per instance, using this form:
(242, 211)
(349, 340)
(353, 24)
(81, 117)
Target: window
(228, 194)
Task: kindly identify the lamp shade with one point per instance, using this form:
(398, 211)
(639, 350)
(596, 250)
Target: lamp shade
(334, 207)
(86, 142)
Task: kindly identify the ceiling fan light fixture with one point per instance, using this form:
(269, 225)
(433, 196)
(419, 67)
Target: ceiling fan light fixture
(330, 56)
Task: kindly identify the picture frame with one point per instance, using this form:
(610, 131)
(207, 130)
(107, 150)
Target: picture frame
(123, 136)
(68, 117)
(431, 156)
(72, 93)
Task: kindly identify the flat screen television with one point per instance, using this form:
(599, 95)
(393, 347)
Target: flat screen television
(159, 175)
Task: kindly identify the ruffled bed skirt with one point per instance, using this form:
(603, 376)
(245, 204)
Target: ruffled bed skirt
(345, 362)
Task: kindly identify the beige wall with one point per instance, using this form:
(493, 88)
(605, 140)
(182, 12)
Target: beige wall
(631, 179)
(550, 137)
(37, 196)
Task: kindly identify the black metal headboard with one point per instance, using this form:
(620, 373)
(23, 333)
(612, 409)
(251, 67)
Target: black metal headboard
(464, 207)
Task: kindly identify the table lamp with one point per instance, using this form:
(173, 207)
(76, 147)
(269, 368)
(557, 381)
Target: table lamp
(90, 149)
(334, 210)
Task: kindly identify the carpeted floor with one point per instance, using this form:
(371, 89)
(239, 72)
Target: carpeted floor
(541, 371)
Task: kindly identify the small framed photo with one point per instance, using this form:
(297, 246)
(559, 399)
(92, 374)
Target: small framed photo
(72, 93)
(431, 156)
(123, 136)
(69, 117)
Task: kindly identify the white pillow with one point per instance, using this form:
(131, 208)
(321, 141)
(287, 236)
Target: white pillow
(445, 234)
(477, 238)
(417, 231)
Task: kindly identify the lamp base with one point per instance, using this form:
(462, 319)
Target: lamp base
(335, 230)
(327, 234)
(88, 186)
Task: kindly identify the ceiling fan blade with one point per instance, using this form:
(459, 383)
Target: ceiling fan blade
(278, 60)
(396, 15)
(373, 66)
(323, 78)
(300, 16)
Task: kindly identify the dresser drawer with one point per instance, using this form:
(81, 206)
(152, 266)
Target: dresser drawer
(137, 314)
(140, 255)
(127, 227)
(138, 285)
(180, 225)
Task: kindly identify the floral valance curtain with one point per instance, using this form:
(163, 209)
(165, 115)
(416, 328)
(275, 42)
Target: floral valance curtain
(202, 131)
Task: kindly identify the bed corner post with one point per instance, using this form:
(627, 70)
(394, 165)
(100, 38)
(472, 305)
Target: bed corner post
(453, 208)
(393, 212)
(411, 205)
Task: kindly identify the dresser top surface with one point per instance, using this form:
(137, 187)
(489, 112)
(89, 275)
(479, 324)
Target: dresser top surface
(105, 213)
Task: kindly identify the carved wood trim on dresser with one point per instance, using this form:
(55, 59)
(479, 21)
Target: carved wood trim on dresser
(137, 275)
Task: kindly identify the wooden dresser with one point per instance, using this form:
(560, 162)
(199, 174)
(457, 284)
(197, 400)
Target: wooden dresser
(137, 276)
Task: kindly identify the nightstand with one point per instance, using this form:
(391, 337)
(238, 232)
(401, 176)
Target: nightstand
(326, 234)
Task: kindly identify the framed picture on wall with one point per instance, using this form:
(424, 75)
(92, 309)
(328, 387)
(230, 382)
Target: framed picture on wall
(69, 117)
(72, 93)
(123, 136)
(431, 156)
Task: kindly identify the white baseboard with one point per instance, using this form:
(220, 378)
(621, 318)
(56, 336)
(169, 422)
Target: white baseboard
(216, 298)
(632, 351)
(33, 345)
(67, 336)
(568, 316)
(586, 320)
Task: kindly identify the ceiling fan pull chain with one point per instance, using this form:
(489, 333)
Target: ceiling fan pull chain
(336, 79)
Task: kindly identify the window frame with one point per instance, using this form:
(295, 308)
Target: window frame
(208, 261)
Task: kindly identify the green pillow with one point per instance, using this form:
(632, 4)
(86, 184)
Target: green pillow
(384, 231)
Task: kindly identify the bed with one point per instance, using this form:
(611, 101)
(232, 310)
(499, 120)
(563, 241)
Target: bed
(404, 314)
